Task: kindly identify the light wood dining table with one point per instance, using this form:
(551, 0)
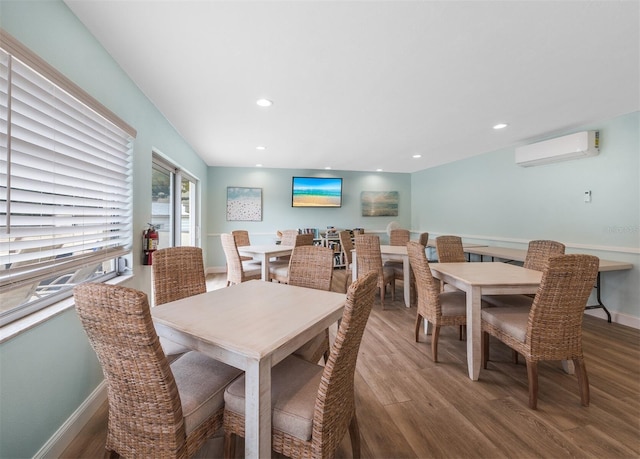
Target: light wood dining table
(264, 253)
(477, 279)
(251, 326)
(512, 254)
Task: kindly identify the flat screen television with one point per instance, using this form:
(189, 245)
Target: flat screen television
(316, 192)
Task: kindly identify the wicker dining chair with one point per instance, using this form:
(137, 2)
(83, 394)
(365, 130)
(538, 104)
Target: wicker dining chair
(312, 267)
(369, 258)
(538, 254)
(242, 240)
(155, 409)
(342, 278)
(279, 269)
(237, 270)
(437, 307)
(552, 328)
(449, 249)
(313, 406)
(423, 238)
(178, 272)
(397, 237)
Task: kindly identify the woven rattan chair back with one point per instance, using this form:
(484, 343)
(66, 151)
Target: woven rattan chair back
(145, 413)
(346, 246)
(311, 266)
(178, 272)
(423, 239)
(399, 236)
(241, 237)
(369, 258)
(235, 269)
(449, 249)
(242, 240)
(539, 252)
(554, 328)
(303, 239)
(289, 237)
(427, 287)
(335, 404)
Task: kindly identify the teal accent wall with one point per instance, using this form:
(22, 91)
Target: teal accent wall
(277, 213)
(488, 198)
(47, 372)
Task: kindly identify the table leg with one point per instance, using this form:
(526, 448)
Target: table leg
(407, 281)
(474, 332)
(354, 266)
(264, 263)
(258, 409)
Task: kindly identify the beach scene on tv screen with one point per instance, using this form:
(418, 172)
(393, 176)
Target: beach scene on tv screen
(317, 192)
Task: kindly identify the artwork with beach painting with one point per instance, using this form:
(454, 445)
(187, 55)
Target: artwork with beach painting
(379, 203)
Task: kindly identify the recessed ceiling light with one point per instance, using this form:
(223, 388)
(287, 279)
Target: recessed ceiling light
(264, 102)
(261, 147)
(417, 156)
(328, 167)
(378, 170)
(500, 126)
(258, 165)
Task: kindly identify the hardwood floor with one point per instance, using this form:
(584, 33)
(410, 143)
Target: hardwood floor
(409, 407)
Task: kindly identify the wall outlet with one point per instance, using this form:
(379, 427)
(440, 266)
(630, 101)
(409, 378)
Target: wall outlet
(587, 196)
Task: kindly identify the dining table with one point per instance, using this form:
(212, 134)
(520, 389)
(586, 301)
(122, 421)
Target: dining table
(509, 254)
(477, 279)
(263, 253)
(251, 326)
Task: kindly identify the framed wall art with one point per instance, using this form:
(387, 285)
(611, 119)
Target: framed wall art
(244, 204)
(379, 203)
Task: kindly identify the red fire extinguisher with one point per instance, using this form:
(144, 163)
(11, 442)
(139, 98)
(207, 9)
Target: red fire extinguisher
(149, 244)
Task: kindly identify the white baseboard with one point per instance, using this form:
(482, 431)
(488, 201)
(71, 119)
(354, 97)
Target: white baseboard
(616, 317)
(68, 431)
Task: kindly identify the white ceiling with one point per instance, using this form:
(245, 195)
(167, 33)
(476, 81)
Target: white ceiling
(364, 85)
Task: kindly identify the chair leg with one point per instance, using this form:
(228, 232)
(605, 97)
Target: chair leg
(532, 373)
(112, 454)
(354, 434)
(393, 290)
(514, 356)
(229, 445)
(419, 320)
(382, 293)
(434, 342)
(583, 381)
(485, 349)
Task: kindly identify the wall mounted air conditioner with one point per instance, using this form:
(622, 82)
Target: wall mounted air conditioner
(573, 146)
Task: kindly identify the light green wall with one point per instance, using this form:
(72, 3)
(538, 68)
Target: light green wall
(490, 199)
(278, 213)
(48, 371)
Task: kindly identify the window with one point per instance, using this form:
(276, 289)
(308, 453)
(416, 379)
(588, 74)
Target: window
(174, 205)
(65, 185)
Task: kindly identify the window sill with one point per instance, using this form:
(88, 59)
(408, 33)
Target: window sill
(13, 329)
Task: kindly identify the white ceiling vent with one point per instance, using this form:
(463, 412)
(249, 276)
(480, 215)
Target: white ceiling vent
(573, 146)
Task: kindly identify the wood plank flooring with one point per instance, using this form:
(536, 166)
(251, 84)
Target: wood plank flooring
(409, 407)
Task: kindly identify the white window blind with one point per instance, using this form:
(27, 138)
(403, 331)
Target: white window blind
(65, 182)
